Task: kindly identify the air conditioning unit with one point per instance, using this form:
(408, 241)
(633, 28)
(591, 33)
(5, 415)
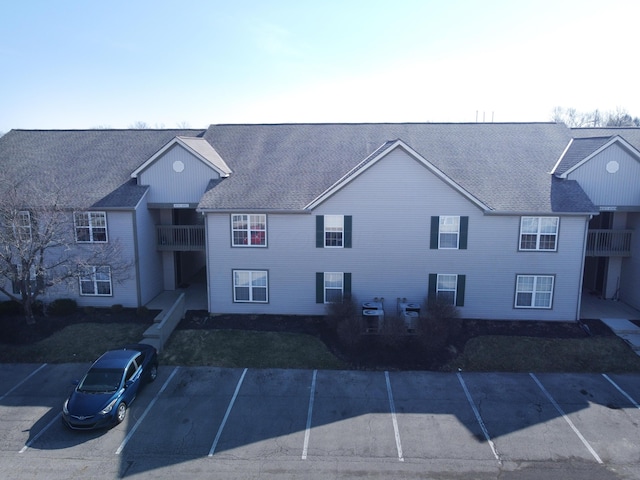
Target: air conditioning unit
(372, 320)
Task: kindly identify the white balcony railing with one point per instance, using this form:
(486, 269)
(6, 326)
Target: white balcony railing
(180, 237)
(609, 243)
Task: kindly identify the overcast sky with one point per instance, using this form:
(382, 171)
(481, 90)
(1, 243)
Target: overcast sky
(85, 64)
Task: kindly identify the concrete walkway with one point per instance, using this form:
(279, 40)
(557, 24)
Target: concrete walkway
(626, 330)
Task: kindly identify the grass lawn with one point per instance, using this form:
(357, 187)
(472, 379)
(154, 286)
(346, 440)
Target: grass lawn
(239, 348)
(529, 354)
(82, 342)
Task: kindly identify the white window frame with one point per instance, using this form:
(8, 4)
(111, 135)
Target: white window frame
(334, 227)
(249, 283)
(538, 227)
(539, 287)
(449, 225)
(22, 225)
(442, 287)
(333, 281)
(96, 276)
(93, 222)
(252, 225)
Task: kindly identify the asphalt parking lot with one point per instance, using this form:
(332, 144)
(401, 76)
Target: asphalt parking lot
(202, 422)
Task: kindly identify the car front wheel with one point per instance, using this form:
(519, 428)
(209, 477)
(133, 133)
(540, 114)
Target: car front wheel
(153, 372)
(121, 412)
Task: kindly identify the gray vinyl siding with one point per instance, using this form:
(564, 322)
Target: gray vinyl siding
(124, 290)
(630, 277)
(610, 189)
(391, 205)
(168, 186)
(149, 258)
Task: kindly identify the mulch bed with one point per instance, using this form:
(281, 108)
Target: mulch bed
(371, 351)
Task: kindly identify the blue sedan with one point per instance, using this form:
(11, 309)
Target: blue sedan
(112, 383)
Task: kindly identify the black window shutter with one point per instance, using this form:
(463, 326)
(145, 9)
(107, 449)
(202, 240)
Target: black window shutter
(348, 228)
(431, 295)
(460, 290)
(346, 287)
(464, 232)
(319, 287)
(435, 231)
(320, 231)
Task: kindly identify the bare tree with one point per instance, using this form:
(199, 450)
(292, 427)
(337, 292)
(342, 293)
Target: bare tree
(38, 248)
(573, 118)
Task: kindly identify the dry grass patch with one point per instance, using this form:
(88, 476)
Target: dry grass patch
(82, 342)
(240, 349)
(533, 354)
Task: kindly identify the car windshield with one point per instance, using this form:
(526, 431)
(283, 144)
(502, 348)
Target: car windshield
(101, 380)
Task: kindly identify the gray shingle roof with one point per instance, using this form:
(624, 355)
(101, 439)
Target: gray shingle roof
(579, 149)
(506, 166)
(285, 167)
(91, 167)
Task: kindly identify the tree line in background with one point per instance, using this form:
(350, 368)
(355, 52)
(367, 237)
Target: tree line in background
(595, 118)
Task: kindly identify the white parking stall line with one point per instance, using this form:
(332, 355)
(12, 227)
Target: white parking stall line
(144, 414)
(617, 387)
(476, 412)
(307, 431)
(39, 434)
(567, 419)
(226, 415)
(394, 417)
(24, 380)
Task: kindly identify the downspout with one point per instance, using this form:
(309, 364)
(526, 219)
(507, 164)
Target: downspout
(584, 255)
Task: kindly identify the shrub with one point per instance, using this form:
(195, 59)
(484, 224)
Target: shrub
(393, 332)
(340, 311)
(440, 323)
(345, 319)
(116, 308)
(62, 306)
(10, 307)
(142, 312)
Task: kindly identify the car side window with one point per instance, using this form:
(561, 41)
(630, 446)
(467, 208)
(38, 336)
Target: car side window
(138, 360)
(131, 369)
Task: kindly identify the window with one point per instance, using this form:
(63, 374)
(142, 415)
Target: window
(96, 281)
(449, 232)
(447, 288)
(333, 287)
(534, 291)
(250, 286)
(23, 226)
(539, 233)
(249, 230)
(91, 227)
(36, 282)
(333, 231)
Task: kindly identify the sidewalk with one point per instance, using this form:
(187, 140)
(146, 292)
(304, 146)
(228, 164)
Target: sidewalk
(626, 330)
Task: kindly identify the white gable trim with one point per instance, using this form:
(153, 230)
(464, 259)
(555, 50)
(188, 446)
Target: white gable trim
(564, 152)
(198, 147)
(616, 139)
(375, 157)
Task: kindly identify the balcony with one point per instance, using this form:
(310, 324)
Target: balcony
(609, 243)
(180, 238)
